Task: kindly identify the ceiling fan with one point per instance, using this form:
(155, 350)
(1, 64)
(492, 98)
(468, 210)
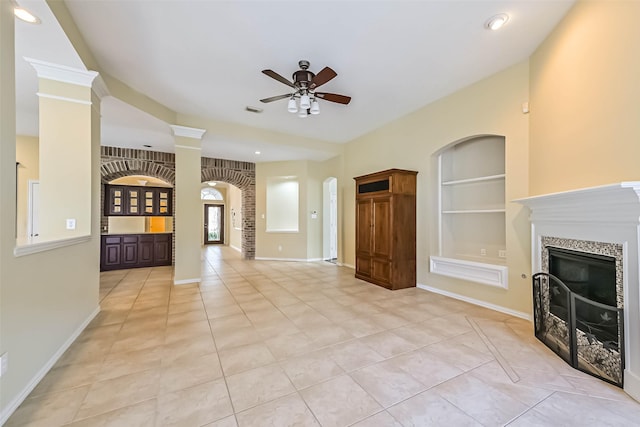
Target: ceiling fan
(305, 84)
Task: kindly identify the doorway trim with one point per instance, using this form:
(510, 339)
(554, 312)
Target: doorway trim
(330, 219)
(206, 224)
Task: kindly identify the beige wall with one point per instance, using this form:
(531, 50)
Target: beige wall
(126, 224)
(285, 245)
(65, 116)
(46, 297)
(27, 156)
(307, 243)
(585, 86)
(491, 106)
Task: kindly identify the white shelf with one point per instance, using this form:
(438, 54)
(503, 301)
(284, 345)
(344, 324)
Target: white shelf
(487, 274)
(474, 211)
(477, 179)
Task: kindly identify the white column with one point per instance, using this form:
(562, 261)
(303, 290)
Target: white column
(187, 215)
(69, 142)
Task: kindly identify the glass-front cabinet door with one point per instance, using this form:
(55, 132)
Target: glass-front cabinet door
(164, 202)
(133, 201)
(149, 202)
(115, 201)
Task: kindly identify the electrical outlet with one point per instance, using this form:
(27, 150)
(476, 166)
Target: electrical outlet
(483, 252)
(502, 253)
(4, 363)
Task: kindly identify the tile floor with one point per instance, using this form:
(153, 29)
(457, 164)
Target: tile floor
(306, 344)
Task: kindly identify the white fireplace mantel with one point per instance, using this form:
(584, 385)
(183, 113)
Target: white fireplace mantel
(613, 203)
(608, 214)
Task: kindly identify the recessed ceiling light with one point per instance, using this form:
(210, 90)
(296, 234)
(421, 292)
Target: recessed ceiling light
(25, 15)
(496, 22)
(257, 152)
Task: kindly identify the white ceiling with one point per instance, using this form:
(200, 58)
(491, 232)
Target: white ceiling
(203, 59)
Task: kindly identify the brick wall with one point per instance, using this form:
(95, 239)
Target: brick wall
(119, 162)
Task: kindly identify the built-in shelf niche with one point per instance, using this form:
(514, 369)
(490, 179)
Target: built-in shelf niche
(471, 211)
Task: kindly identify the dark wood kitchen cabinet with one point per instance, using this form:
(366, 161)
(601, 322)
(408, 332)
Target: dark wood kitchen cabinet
(120, 251)
(123, 200)
(386, 228)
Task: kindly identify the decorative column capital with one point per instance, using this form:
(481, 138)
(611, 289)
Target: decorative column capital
(187, 132)
(62, 73)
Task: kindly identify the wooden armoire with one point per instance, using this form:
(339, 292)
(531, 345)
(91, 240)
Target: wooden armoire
(386, 228)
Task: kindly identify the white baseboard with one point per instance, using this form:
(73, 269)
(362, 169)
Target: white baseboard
(15, 403)
(235, 248)
(494, 307)
(187, 281)
(288, 259)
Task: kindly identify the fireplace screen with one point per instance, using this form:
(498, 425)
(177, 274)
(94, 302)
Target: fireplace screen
(576, 314)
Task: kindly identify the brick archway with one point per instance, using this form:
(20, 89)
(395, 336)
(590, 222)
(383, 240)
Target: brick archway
(245, 180)
(119, 162)
(121, 168)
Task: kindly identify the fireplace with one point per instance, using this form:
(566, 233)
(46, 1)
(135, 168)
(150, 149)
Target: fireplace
(603, 222)
(578, 310)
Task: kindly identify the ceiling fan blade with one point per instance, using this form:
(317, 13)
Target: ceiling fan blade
(334, 97)
(278, 77)
(322, 77)
(276, 98)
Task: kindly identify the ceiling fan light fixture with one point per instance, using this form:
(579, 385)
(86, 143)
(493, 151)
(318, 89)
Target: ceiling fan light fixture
(305, 102)
(291, 106)
(315, 107)
(496, 22)
(304, 99)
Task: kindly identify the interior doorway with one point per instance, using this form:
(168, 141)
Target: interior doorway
(330, 220)
(213, 224)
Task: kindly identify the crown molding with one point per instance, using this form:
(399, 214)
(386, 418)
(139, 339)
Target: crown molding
(187, 132)
(100, 87)
(62, 73)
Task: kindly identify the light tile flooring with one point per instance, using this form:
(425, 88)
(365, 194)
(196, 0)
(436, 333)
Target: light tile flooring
(281, 344)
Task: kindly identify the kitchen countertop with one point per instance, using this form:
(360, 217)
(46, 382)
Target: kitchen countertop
(142, 232)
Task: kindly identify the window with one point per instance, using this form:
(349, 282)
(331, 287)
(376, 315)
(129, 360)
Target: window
(282, 204)
(210, 194)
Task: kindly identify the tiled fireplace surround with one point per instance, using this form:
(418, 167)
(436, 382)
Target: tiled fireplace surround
(592, 220)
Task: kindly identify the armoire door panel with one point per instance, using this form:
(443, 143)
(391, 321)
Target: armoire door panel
(382, 228)
(363, 266)
(364, 220)
(381, 270)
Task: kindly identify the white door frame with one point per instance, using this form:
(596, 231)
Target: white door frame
(330, 219)
(33, 208)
